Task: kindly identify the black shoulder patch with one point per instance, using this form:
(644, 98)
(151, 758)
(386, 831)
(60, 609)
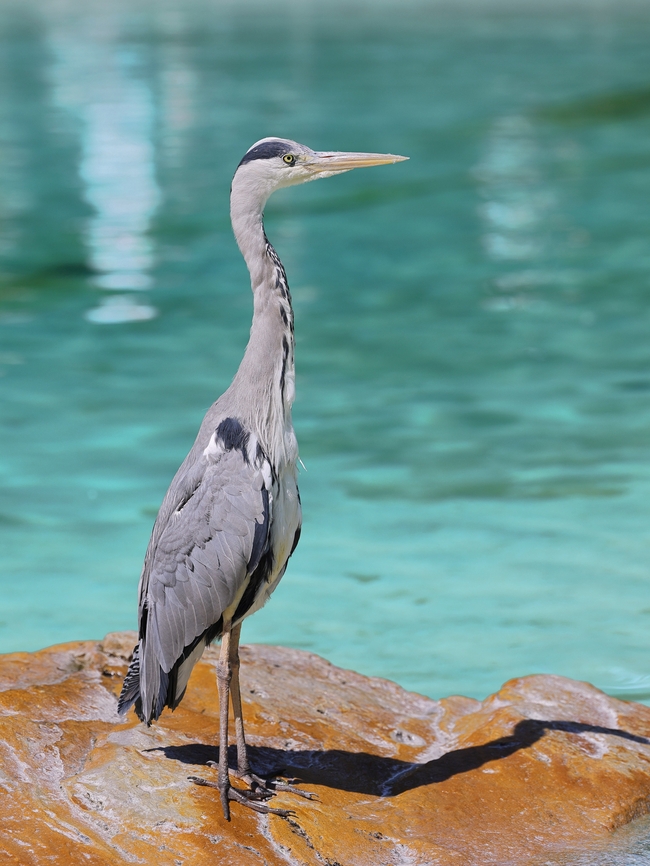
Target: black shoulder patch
(266, 150)
(233, 435)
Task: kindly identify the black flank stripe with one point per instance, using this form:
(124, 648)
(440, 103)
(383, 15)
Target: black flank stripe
(285, 355)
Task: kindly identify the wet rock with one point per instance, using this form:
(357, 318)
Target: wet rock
(546, 765)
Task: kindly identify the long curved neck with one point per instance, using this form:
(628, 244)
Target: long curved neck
(264, 386)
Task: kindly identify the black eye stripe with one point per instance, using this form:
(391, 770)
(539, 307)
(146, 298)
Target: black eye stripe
(266, 150)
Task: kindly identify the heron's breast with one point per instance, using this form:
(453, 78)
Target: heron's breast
(285, 520)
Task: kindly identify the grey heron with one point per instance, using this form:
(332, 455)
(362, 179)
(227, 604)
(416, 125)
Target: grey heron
(231, 517)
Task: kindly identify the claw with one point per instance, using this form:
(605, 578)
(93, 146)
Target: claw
(259, 790)
(269, 786)
(240, 797)
(273, 785)
(204, 782)
(290, 789)
(246, 798)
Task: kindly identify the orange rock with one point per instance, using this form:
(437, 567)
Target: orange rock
(544, 766)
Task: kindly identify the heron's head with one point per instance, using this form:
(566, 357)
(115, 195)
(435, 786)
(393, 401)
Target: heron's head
(273, 163)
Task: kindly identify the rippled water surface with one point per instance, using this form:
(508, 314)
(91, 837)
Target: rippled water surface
(472, 326)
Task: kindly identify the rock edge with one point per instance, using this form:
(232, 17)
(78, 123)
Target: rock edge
(546, 765)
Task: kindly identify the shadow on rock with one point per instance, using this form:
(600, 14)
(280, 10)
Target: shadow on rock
(375, 775)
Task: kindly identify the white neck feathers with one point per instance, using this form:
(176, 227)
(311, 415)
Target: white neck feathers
(264, 386)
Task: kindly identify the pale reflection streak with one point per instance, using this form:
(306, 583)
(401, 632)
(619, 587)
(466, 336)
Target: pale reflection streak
(178, 86)
(515, 206)
(99, 83)
(15, 200)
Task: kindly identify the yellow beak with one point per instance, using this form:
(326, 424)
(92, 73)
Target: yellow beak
(334, 162)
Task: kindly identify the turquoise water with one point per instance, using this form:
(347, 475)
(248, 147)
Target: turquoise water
(472, 326)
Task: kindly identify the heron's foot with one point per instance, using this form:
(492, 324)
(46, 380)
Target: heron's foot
(250, 798)
(270, 786)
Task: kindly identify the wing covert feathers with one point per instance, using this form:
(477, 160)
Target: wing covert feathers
(202, 553)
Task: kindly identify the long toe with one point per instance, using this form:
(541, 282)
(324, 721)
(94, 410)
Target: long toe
(225, 799)
(271, 786)
(291, 789)
(203, 782)
(240, 797)
(253, 798)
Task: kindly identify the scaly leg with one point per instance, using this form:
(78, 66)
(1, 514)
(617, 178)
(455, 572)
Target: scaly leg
(257, 783)
(243, 767)
(224, 676)
(227, 792)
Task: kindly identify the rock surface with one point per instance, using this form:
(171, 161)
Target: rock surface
(545, 765)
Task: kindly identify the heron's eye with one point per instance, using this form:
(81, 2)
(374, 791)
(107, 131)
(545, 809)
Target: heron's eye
(289, 158)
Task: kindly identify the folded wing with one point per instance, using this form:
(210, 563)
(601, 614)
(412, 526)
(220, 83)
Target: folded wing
(203, 552)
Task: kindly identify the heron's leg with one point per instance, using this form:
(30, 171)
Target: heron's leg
(256, 783)
(224, 676)
(243, 767)
(227, 792)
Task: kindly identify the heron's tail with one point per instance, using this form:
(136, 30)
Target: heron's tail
(146, 686)
(149, 689)
(131, 687)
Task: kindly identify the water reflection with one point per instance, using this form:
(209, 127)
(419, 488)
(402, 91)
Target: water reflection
(178, 86)
(101, 83)
(515, 200)
(120, 308)
(15, 201)
(490, 471)
(515, 207)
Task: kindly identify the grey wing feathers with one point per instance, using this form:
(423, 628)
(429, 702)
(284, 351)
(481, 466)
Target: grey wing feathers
(202, 557)
(197, 564)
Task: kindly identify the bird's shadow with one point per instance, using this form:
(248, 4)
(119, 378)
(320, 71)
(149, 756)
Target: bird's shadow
(363, 773)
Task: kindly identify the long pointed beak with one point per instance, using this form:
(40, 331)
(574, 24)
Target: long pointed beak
(322, 163)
